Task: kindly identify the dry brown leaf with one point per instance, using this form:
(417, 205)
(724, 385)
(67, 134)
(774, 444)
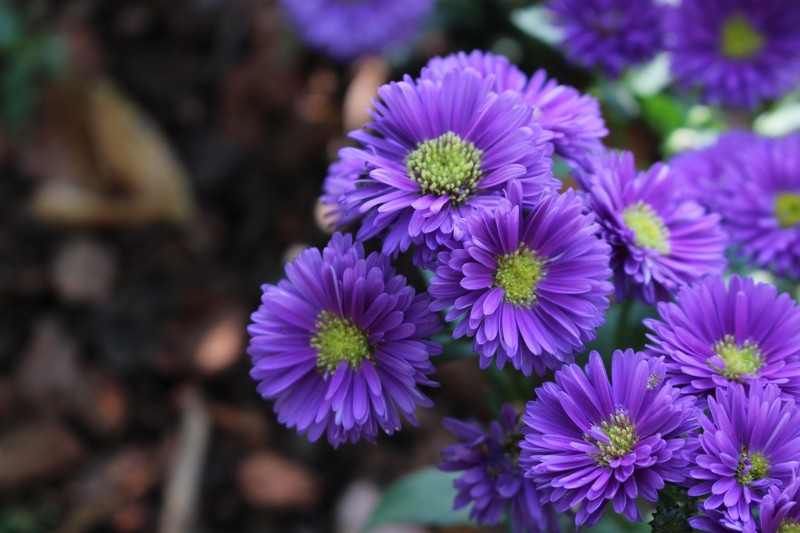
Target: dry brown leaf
(104, 162)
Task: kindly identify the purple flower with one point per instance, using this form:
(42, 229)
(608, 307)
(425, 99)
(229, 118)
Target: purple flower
(438, 151)
(531, 289)
(492, 480)
(348, 29)
(780, 509)
(589, 441)
(700, 173)
(713, 336)
(609, 34)
(737, 52)
(750, 441)
(573, 118)
(716, 521)
(340, 345)
(659, 241)
(761, 205)
(341, 179)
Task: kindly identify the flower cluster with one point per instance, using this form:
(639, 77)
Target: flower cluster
(455, 169)
(736, 53)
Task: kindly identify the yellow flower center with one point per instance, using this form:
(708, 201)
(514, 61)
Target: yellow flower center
(744, 360)
(758, 467)
(446, 166)
(518, 274)
(787, 209)
(621, 433)
(338, 339)
(739, 39)
(650, 230)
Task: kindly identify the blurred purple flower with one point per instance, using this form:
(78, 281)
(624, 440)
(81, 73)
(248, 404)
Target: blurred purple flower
(737, 52)
(348, 29)
(610, 35)
(761, 205)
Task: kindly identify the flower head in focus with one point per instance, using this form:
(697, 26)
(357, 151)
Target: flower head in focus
(341, 344)
(590, 441)
(531, 289)
(660, 241)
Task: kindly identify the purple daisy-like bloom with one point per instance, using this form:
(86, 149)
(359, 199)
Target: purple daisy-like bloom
(573, 118)
(750, 441)
(589, 441)
(439, 150)
(659, 241)
(761, 206)
(780, 509)
(492, 481)
(700, 173)
(716, 521)
(342, 176)
(611, 35)
(531, 289)
(737, 52)
(715, 335)
(348, 29)
(340, 345)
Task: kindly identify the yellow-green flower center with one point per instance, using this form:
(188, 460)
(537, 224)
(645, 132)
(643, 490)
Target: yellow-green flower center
(789, 526)
(758, 467)
(739, 39)
(518, 274)
(621, 433)
(744, 360)
(446, 166)
(650, 230)
(787, 209)
(337, 339)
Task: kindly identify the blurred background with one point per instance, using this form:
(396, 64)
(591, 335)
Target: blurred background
(159, 160)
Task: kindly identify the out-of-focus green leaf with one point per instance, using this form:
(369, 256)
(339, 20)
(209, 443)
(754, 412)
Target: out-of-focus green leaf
(453, 349)
(424, 497)
(663, 114)
(537, 22)
(9, 26)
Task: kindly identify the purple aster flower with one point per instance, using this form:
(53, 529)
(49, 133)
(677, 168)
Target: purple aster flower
(750, 441)
(700, 172)
(531, 289)
(659, 241)
(437, 151)
(737, 52)
(573, 118)
(609, 34)
(780, 509)
(348, 29)
(716, 521)
(589, 441)
(492, 480)
(715, 335)
(761, 205)
(341, 179)
(340, 345)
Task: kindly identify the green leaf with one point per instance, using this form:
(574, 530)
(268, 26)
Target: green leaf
(424, 497)
(537, 22)
(663, 114)
(649, 79)
(10, 26)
